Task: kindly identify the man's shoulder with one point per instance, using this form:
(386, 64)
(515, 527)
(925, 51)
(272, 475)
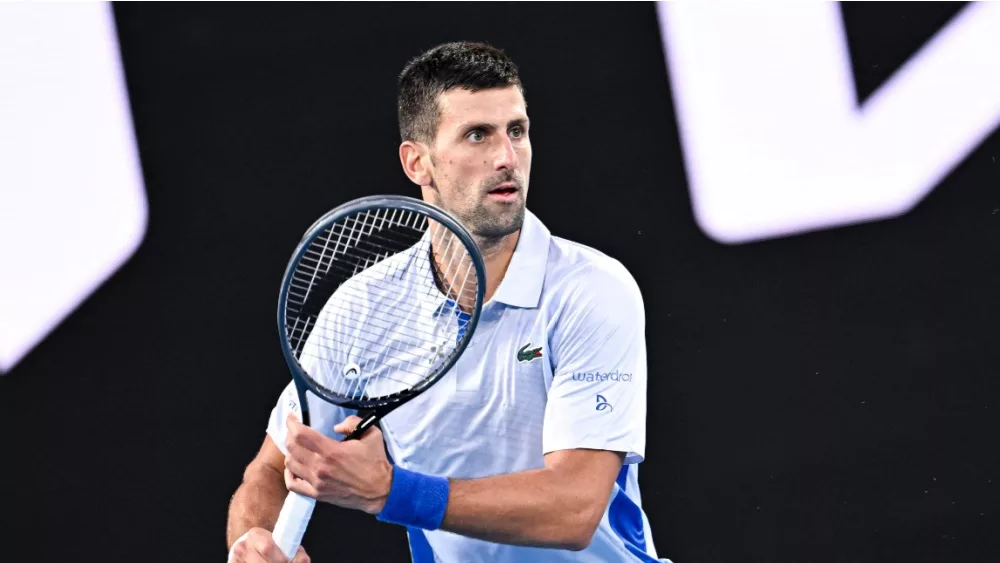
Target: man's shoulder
(575, 270)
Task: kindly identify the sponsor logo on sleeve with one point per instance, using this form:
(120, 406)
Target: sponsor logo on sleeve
(603, 404)
(590, 377)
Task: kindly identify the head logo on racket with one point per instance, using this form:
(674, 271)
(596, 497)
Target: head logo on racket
(352, 371)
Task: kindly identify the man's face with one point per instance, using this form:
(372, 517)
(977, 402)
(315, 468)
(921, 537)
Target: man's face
(481, 159)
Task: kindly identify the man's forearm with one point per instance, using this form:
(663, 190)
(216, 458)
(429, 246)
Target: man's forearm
(534, 508)
(256, 503)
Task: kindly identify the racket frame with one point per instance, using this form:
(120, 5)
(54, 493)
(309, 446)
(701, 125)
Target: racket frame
(370, 411)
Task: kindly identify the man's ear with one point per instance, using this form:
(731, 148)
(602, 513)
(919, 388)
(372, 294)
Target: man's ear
(416, 161)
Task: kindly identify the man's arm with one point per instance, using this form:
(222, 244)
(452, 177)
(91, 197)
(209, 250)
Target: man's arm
(559, 506)
(600, 353)
(259, 498)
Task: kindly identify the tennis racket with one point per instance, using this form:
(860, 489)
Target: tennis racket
(379, 300)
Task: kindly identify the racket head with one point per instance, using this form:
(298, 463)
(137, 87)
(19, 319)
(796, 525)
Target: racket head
(291, 305)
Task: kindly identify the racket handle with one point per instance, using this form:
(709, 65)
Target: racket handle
(367, 422)
(292, 523)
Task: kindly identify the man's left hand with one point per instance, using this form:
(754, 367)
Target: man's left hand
(352, 474)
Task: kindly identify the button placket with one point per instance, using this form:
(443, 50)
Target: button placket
(469, 377)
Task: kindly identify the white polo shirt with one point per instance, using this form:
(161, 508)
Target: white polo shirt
(558, 361)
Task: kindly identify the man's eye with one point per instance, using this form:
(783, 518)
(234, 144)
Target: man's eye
(516, 132)
(476, 136)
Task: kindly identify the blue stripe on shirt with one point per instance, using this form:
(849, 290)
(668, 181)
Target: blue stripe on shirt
(625, 518)
(420, 548)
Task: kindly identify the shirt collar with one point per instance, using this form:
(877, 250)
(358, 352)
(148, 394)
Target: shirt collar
(522, 283)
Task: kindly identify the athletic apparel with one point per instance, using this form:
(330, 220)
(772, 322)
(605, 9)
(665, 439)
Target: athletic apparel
(558, 361)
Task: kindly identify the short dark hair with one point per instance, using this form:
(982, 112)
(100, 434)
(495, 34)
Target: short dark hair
(468, 65)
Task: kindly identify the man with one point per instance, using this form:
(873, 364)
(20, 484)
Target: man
(533, 454)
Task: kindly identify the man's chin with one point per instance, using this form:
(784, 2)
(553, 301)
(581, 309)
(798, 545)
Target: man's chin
(496, 230)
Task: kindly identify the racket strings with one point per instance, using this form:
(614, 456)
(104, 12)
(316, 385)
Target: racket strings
(449, 249)
(391, 344)
(349, 264)
(355, 296)
(326, 264)
(372, 331)
(347, 238)
(442, 324)
(400, 317)
(378, 324)
(466, 291)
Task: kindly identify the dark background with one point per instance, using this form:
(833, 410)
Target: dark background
(825, 397)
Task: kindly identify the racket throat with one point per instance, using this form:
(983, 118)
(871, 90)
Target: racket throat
(368, 419)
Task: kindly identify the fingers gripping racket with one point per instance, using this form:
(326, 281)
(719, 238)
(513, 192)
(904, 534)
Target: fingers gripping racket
(379, 300)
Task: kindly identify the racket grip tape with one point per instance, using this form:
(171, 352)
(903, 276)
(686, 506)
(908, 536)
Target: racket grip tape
(292, 523)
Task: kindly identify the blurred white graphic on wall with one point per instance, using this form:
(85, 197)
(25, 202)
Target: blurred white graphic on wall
(72, 201)
(774, 140)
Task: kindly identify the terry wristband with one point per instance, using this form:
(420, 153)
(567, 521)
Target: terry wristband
(415, 500)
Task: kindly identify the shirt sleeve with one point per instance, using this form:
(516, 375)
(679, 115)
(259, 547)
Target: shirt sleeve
(317, 359)
(323, 416)
(597, 399)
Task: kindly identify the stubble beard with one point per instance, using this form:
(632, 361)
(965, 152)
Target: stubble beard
(489, 228)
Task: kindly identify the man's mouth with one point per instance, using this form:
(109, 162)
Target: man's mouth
(504, 189)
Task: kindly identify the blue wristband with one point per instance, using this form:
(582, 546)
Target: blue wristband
(415, 500)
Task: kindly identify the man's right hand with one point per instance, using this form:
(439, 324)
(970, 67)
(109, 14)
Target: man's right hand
(257, 546)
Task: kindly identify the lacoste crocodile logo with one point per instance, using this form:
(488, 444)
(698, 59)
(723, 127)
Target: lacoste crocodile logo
(526, 355)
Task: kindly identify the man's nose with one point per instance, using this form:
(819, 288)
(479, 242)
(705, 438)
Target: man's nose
(506, 156)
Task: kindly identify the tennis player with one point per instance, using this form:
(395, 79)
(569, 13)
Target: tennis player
(528, 449)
